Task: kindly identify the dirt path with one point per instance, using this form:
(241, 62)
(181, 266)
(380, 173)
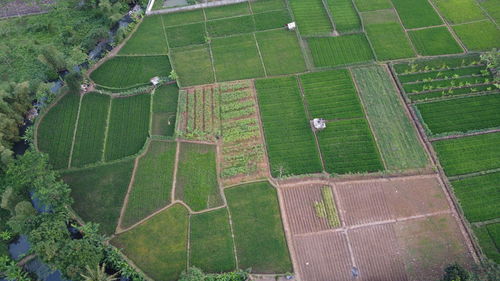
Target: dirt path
(74, 132)
(464, 135)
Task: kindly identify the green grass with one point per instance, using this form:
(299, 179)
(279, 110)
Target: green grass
(165, 110)
(342, 50)
(272, 20)
(469, 154)
(259, 6)
(348, 147)
(479, 36)
(196, 182)
(488, 242)
(99, 192)
(416, 13)
(148, 39)
(123, 72)
(193, 65)
(211, 243)
(279, 46)
(236, 58)
(459, 11)
(55, 132)
(479, 196)
(230, 26)
(397, 138)
(259, 237)
(331, 95)
(311, 17)
(228, 11)
(159, 246)
(128, 126)
(344, 15)
(185, 35)
(434, 41)
(282, 113)
(182, 18)
(152, 182)
(462, 114)
(89, 141)
(492, 8)
(372, 5)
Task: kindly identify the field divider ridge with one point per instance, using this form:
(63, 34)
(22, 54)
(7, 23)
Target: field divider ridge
(230, 218)
(176, 165)
(448, 25)
(404, 29)
(487, 14)
(188, 242)
(466, 134)
(74, 131)
(469, 175)
(106, 130)
(260, 54)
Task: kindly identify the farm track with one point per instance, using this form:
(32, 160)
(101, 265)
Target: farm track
(431, 139)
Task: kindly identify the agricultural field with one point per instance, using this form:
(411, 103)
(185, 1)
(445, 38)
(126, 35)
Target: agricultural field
(492, 8)
(460, 11)
(146, 195)
(372, 5)
(479, 36)
(434, 41)
(489, 237)
(164, 110)
(147, 40)
(196, 182)
(185, 35)
(283, 114)
(258, 230)
(311, 17)
(342, 50)
(201, 72)
(99, 192)
(416, 13)
(344, 16)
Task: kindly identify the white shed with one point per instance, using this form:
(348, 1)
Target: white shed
(319, 123)
(291, 26)
(155, 80)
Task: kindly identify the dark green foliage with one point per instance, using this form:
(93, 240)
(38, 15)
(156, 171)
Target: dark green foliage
(456, 272)
(195, 274)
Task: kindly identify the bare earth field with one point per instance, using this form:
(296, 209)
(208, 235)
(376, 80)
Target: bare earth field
(391, 229)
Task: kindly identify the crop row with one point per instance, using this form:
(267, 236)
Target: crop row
(446, 83)
(452, 92)
(311, 17)
(429, 65)
(443, 74)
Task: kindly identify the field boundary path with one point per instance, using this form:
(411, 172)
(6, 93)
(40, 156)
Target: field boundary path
(216, 3)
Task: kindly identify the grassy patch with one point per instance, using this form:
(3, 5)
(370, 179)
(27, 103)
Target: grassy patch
(478, 196)
(211, 243)
(348, 147)
(230, 26)
(311, 17)
(434, 41)
(164, 110)
(478, 36)
(55, 133)
(152, 183)
(236, 58)
(397, 139)
(260, 240)
(184, 35)
(492, 8)
(459, 11)
(99, 192)
(279, 46)
(148, 39)
(122, 72)
(183, 17)
(326, 208)
(469, 154)
(461, 115)
(159, 246)
(344, 15)
(272, 20)
(228, 11)
(372, 5)
(342, 50)
(283, 114)
(259, 6)
(416, 13)
(89, 141)
(488, 242)
(197, 176)
(193, 65)
(128, 126)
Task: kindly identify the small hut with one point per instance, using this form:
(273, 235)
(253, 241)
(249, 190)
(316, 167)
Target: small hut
(291, 26)
(318, 124)
(155, 80)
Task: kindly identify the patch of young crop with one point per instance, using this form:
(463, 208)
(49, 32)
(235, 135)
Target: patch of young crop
(326, 208)
(271, 20)
(185, 35)
(230, 26)
(443, 63)
(389, 41)
(479, 36)
(148, 39)
(460, 11)
(228, 11)
(434, 41)
(344, 15)
(488, 241)
(444, 74)
(164, 110)
(453, 92)
(372, 5)
(342, 50)
(267, 5)
(181, 18)
(416, 13)
(193, 65)
(235, 96)
(446, 83)
(311, 17)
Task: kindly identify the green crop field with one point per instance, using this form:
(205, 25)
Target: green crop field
(149, 195)
(416, 13)
(442, 63)
(196, 182)
(479, 36)
(397, 138)
(99, 192)
(181, 18)
(55, 133)
(228, 11)
(258, 230)
(191, 73)
(489, 238)
(372, 5)
(492, 8)
(348, 146)
(184, 35)
(124, 71)
(446, 84)
(211, 244)
(279, 46)
(311, 17)
(479, 196)
(89, 140)
(331, 95)
(236, 58)
(434, 41)
(440, 74)
(164, 110)
(387, 36)
(149, 39)
(267, 5)
(460, 11)
(342, 50)
(128, 126)
(461, 114)
(344, 15)
(282, 113)
(158, 246)
(271, 20)
(469, 154)
(230, 26)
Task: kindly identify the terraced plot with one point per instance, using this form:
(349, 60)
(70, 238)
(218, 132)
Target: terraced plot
(311, 17)
(342, 50)
(416, 13)
(434, 41)
(344, 15)
(148, 39)
(283, 114)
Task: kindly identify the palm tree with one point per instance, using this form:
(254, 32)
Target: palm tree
(98, 274)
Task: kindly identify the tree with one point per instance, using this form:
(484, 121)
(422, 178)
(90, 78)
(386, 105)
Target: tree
(73, 81)
(53, 58)
(97, 274)
(23, 213)
(10, 198)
